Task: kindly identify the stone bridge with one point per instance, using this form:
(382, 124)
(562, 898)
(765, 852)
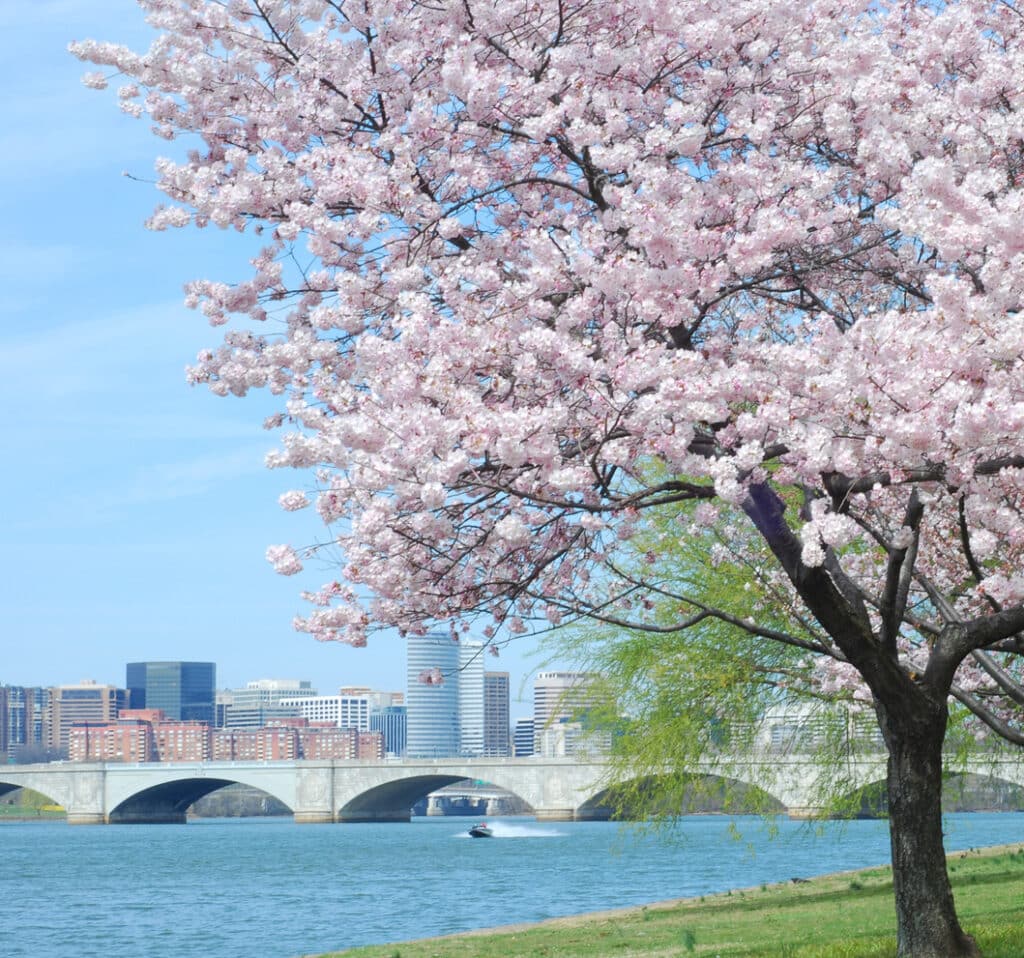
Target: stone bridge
(558, 789)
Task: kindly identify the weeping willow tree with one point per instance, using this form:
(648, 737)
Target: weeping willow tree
(681, 686)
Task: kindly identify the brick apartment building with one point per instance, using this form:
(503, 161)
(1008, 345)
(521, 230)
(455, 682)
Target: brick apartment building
(145, 735)
(124, 741)
(269, 744)
(139, 735)
(341, 743)
(182, 741)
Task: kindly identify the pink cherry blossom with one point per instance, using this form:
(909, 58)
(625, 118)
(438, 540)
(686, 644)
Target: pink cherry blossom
(284, 559)
(293, 500)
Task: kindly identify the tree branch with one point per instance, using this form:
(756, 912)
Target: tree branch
(1003, 729)
(898, 575)
(1000, 676)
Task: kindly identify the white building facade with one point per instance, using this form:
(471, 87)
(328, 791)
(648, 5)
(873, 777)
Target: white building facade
(261, 702)
(432, 710)
(350, 708)
(471, 699)
(558, 698)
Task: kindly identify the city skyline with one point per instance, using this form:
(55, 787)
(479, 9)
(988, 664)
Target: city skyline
(520, 688)
(470, 716)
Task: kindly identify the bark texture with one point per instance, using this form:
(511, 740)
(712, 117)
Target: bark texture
(926, 920)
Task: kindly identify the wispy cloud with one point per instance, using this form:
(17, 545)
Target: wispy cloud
(162, 481)
(47, 132)
(28, 264)
(174, 479)
(94, 353)
(116, 20)
(55, 12)
(119, 497)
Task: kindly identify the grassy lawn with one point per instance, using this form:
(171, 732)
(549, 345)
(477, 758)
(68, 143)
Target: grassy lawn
(849, 915)
(20, 812)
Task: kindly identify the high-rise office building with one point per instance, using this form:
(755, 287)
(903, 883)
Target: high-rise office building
(558, 698)
(523, 738)
(22, 710)
(471, 698)
(185, 691)
(350, 708)
(223, 699)
(432, 709)
(497, 743)
(261, 701)
(375, 697)
(74, 704)
(26, 713)
(444, 718)
(5, 722)
(390, 721)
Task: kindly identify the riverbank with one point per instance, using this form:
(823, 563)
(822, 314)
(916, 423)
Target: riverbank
(843, 915)
(22, 813)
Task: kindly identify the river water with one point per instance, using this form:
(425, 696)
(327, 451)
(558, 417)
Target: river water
(267, 888)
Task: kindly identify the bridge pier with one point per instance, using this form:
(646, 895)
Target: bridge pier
(803, 812)
(86, 818)
(597, 813)
(313, 817)
(147, 816)
(555, 814)
(375, 815)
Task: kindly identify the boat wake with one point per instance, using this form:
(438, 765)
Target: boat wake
(510, 830)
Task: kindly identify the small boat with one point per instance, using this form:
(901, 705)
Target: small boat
(481, 831)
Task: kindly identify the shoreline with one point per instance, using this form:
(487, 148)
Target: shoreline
(628, 911)
(42, 817)
(833, 915)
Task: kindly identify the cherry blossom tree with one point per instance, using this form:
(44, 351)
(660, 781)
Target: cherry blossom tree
(517, 258)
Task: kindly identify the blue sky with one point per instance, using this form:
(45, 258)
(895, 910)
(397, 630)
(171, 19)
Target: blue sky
(137, 510)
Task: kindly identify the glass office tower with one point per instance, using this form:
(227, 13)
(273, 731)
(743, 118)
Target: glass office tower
(186, 691)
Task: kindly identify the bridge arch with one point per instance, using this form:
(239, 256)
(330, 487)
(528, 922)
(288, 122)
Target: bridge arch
(962, 789)
(138, 799)
(695, 792)
(392, 801)
(47, 786)
(165, 803)
(7, 787)
(388, 792)
(986, 788)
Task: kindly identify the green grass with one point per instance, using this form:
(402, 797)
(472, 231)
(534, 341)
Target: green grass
(848, 915)
(19, 812)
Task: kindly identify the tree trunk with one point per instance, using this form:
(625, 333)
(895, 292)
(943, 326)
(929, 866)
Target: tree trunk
(926, 921)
